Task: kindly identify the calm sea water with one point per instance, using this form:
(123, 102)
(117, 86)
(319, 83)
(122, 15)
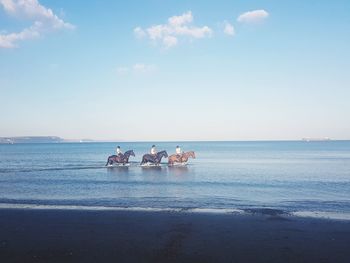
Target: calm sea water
(296, 177)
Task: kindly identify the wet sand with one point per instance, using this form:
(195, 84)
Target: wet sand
(29, 235)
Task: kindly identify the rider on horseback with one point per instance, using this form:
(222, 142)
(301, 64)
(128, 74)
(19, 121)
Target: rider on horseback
(154, 152)
(119, 151)
(178, 151)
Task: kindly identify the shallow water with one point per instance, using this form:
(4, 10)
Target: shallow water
(296, 177)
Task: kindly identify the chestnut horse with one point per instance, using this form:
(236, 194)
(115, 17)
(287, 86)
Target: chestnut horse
(120, 159)
(181, 158)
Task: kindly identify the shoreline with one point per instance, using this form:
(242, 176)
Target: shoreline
(42, 235)
(262, 211)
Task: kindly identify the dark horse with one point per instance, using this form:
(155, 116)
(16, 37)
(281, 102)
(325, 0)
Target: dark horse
(149, 158)
(121, 159)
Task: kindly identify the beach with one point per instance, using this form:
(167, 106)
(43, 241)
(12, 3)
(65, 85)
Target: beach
(236, 202)
(60, 235)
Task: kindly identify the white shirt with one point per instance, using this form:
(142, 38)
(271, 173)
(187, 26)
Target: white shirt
(119, 151)
(178, 150)
(153, 150)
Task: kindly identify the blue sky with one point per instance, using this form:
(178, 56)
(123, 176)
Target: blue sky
(175, 70)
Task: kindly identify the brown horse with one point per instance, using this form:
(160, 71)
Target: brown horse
(180, 158)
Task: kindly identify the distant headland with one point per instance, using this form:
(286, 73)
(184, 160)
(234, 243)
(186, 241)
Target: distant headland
(316, 139)
(37, 139)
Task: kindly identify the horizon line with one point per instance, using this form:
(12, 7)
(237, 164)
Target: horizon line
(308, 139)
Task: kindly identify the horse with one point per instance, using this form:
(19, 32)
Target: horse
(155, 160)
(180, 158)
(122, 159)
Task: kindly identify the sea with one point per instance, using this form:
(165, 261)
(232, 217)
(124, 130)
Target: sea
(297, 178)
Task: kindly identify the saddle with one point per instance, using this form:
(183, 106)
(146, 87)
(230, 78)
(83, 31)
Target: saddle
(155, 157)
(120, 156)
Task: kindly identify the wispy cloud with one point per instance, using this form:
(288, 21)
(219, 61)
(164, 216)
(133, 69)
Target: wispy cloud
(44, 20)
(229, 29)
(139, 33)
(253, 16)
(137, 68)
(177, 27)
(122, 70)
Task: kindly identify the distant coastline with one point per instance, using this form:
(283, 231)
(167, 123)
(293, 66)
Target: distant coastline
(316, 139)
(38, 139)
(56, 139)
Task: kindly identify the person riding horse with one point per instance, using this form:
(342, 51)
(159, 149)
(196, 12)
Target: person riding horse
(153, 152)
(119, 151)
(178, 151)
(180, 157)
(150, 159)
(120, 158)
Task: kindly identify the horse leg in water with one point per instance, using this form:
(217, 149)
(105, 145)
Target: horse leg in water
(146, 159)
(173, 159)
(143, 160)
(157, 161)
(111, 159)
(125, 161)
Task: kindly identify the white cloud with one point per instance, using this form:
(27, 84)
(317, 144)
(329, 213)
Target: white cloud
(169, 41)
(185, 18)
(229, 29)
(9, 40)
(178, 26)
(253, 16)
(139, 33)
(44, 20)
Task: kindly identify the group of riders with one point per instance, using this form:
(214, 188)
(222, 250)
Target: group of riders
(153, 152)
(152, 158)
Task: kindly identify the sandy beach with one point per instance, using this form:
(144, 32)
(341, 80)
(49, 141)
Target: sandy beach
(29, 235)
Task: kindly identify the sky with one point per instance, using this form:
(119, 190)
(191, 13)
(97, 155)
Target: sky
(175, 70)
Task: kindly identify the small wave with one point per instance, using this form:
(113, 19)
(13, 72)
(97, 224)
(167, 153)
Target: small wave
(261, 211)
(323, 215)
(120, 208)
(267, 211)
(26, 170)
(88, 167)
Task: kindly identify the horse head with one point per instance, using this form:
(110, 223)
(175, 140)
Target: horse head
(130, 152)
(192, 154)
(162, 154)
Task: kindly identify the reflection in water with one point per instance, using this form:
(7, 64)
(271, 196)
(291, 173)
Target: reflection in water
(118, 169)
(178, 170)
(153, 170)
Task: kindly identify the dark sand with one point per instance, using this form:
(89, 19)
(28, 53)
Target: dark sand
(123, 236)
